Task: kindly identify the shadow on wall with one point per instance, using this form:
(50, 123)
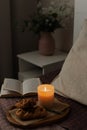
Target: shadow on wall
(64, 39)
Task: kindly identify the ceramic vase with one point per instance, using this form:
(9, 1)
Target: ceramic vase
(46, 44)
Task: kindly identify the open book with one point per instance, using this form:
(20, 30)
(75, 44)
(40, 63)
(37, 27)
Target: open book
(13, 87)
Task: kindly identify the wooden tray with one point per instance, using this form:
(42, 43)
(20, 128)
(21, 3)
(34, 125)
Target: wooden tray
(52, 117)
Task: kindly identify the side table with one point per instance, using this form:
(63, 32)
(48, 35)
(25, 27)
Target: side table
(32, 64)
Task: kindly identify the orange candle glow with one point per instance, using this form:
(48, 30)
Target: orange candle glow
(46, 94)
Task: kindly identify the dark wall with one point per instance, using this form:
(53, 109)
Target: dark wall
(22, 41)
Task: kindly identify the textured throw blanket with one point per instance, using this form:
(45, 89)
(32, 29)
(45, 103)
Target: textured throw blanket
(76, 120)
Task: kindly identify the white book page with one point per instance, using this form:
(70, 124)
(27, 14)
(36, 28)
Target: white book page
(13, 85)
(30, 85)
(4, 92)
(7, 93)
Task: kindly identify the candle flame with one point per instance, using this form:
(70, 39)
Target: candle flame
(45, 89)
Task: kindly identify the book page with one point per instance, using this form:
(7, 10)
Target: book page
(3, 92)
(30, 85)
(7, 93)
(13, 85)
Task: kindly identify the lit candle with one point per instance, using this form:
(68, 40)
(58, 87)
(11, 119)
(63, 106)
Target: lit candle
(46, 95)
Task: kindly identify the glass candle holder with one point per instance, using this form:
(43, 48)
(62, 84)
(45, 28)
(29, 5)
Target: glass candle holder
(46, 95)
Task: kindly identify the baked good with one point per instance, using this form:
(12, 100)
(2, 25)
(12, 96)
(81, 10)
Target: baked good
(27, 109)
(26, 102)
(34, 113)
